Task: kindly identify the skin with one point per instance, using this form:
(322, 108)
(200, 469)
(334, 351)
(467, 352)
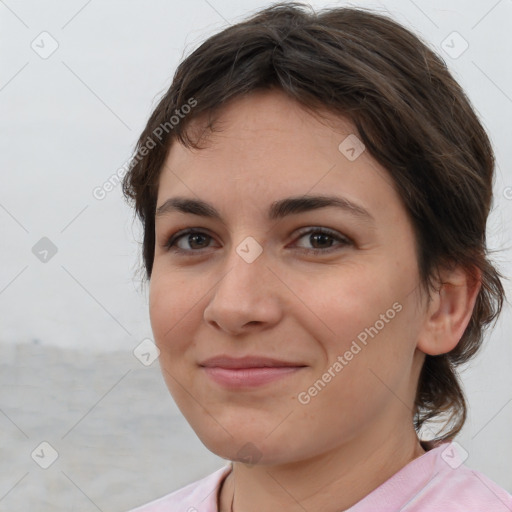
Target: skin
(297, 306)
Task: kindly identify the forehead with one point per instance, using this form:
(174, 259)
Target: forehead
(266, 146)
(271, 117)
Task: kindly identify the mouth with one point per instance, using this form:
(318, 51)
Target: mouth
(224, 361)
(249, 371)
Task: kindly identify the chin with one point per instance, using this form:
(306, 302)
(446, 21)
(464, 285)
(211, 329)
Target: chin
(250, 446)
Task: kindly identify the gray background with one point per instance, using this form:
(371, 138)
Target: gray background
(69, 325)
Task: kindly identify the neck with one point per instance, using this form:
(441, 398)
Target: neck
(332, 482)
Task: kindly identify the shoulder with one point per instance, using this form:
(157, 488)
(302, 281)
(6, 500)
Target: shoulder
(455, 487)
(468, 490)
(199, 496)
(437, 481)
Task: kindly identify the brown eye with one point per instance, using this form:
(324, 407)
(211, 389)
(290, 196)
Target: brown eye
(322, 240)
(196, 240)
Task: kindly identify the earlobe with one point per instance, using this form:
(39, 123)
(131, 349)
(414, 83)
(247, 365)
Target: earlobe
(449, 311)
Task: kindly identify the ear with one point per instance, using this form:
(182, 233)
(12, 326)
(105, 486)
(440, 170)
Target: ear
(450, 310)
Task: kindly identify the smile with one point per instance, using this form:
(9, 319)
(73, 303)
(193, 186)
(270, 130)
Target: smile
(249, 377)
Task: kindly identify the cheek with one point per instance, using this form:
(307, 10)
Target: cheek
(171, 307)
(356, 390)
(371, 319)
(173, 314)
(157, 307)
(347, 302)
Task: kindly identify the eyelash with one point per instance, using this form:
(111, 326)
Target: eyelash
(170, 244)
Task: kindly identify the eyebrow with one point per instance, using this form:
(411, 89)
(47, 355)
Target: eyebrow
(278, 209)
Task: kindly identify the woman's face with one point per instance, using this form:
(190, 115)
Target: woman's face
(262, 281)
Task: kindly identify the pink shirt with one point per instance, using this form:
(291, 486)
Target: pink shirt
(437, 481)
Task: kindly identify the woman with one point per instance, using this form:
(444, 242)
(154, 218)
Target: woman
(314, 190)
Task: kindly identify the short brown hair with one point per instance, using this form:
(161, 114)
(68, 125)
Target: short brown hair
(410, 113)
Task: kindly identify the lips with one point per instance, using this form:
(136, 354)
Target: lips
(248, 372)
(224, 361)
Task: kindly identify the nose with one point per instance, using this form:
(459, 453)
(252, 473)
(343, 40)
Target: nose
(247, 297)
